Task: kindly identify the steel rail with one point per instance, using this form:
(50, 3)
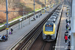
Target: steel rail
(32, 32)
(36, 31)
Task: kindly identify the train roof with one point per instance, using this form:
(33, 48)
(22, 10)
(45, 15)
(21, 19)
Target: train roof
(51, 20)
(49, 23)
(55, 14)
(53, 17)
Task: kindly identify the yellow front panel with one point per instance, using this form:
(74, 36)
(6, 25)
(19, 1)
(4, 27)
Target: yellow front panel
(49, 32)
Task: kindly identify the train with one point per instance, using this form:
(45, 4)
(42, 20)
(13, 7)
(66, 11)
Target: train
(50, 28)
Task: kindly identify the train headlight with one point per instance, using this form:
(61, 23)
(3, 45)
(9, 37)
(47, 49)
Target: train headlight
(53, 36)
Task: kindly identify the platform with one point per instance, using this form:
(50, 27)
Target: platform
(20, 30)
(60, 43)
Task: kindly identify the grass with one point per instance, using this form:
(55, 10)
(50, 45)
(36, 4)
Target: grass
(37, 9)
(2, 27)
(10, 25)
(19, 17)
(14, 19)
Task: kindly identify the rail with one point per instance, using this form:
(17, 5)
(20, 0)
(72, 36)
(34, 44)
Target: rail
(32, 31)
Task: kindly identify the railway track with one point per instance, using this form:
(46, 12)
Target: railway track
(49, 46)
(30, 39)
(39, 44)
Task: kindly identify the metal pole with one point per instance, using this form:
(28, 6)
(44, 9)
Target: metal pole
(50, 4)
(45, 5)
(23, 13)
(73, 26)
(21, 24)
(34, 8)
(56, 1)
(71, 8)
(29, 20)
(22, 18)
(7, 17)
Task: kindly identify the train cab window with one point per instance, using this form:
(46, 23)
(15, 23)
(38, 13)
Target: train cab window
(49, 27)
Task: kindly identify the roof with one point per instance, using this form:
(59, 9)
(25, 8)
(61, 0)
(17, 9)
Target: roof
(49, 23)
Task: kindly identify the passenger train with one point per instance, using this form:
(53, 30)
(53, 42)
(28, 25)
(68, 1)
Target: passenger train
(50, 27)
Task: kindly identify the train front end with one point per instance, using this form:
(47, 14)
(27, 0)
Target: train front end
(48, 33)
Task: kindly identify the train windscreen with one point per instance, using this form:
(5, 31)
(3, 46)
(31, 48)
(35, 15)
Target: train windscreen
(49, 27)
